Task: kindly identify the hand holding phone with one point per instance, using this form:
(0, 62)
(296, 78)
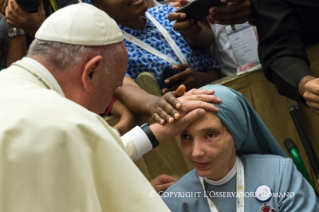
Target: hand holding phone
(199, 9)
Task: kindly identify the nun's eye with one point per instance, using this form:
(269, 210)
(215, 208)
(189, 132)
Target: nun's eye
(211, 135)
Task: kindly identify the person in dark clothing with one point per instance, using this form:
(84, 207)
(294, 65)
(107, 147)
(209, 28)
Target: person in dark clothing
(285, 29)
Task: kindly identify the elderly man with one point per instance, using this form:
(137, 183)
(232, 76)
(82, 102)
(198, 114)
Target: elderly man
(57, 154)
(239, 166)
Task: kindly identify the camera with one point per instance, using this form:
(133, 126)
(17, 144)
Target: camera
(29, 6)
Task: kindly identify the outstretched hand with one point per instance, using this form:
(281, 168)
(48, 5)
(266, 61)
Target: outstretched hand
(166, 109)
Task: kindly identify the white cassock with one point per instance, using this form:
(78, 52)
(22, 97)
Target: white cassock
(57, 156)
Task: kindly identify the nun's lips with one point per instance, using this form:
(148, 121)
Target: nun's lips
(134, 2)
(200, 165)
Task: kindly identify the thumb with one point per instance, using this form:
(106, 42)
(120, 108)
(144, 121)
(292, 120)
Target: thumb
(180, 91)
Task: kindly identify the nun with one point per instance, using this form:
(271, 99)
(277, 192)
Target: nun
(239, 166)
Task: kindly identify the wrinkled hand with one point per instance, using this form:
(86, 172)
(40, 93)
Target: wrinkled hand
(162, 182)
(3, 6)
(311, 94)
(194, 103)
(166, 107)
(29, 22)
(236, 12)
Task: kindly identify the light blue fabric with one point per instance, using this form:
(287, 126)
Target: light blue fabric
(279, 173)
(249, 132)
(141, 60)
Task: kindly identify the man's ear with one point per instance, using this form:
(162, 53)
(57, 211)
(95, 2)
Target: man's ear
(91, 69)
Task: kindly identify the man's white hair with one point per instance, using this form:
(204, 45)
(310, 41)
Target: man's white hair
(64, 56)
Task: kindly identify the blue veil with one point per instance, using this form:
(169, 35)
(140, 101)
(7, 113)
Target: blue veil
(250, 134)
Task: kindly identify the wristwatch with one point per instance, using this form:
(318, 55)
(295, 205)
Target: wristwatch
(12, 32)
(146, 128)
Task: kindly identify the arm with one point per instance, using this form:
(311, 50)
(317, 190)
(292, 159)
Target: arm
(30, 23)
(140, 102)
(281, 49)
(17, 49)
(128, 119)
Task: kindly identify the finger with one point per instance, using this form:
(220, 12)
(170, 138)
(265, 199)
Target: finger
(176, 16)
(204, 98)
(168, 107)
(183, 25)
(176, 78)
(313, 105)
(312, 87)
(158, 119)
(196, 91)
(181, 67)
(311, 96)
(180, 91)
(164, 178)
(14, 5)
(193, 116)
(162, 187)
(164, 115)
(41, 6)
(164, 90)
(191, 105)
(172, 99)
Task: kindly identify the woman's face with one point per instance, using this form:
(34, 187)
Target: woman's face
(123, 10)
(208, 144)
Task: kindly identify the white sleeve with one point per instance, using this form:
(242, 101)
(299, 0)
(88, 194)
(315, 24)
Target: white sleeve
(136, 143)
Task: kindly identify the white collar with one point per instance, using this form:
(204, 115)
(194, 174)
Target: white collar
(225, 179)
(45, 72)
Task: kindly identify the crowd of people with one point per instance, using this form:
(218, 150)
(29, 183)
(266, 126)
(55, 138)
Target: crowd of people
(68, 63)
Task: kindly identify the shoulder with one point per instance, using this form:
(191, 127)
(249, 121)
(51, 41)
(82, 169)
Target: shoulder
(185, 183)
(265, 159)
(161, 12)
